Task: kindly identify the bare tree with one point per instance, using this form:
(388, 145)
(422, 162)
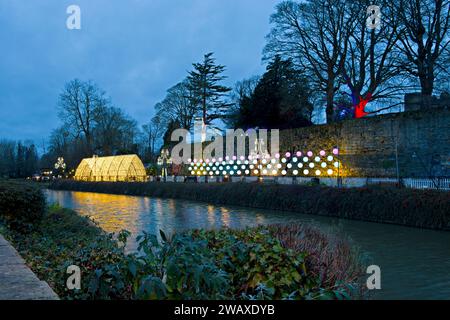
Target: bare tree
(424, 39)
(239, 96)
(114, 131)
(315, 35)
(77, 105)
(152, 131)
(371, 69)
(178, 105)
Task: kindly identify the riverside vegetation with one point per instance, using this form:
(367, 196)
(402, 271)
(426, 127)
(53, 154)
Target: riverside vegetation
(273, 262)
(414, 208)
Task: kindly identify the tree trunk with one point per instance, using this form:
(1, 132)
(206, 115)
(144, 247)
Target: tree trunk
(330, 101)
(427, 83)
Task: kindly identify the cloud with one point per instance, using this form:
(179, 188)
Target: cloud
(135, 50)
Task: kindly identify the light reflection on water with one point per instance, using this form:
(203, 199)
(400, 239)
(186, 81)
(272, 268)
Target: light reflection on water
(415, 264)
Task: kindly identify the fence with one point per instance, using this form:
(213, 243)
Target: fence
(413, 183)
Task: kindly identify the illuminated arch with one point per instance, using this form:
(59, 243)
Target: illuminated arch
(116, 168)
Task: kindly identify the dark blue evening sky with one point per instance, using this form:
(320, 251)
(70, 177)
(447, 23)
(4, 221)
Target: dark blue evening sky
(133, 49)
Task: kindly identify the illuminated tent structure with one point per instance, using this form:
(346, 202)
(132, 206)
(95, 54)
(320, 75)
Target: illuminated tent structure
(116, 168)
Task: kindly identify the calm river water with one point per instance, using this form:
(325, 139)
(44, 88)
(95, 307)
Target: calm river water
(415, 264)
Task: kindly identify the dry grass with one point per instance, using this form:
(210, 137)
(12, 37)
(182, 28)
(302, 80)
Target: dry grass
(330, 257)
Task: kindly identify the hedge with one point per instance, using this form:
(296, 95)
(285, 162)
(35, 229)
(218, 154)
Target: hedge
(415, 208)
(21, 204)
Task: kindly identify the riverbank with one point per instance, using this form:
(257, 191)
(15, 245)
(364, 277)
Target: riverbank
(413, 208)
(272, 262)
(17, 281)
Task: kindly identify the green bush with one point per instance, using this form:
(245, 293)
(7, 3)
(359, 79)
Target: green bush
(21, 205)
(255, 263)
(64, 238)
(225, 264)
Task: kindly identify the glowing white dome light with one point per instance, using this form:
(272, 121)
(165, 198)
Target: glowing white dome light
(311, 165)
(295, 172)
(306, 172)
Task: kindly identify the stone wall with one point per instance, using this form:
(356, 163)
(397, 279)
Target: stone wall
(370, 147)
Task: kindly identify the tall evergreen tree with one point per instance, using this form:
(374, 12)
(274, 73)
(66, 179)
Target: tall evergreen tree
(204, 82)
(280, 100)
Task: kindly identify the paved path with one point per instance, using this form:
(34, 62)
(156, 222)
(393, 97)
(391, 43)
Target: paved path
(17, 281)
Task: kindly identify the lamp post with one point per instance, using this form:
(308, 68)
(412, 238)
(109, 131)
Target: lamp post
(336, 155)
(259, 153)
(163, 160)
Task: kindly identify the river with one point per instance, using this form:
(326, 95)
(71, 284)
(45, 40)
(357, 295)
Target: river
(415, 263)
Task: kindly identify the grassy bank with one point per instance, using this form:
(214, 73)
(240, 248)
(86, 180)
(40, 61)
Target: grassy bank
(408, 207)
(274, 262)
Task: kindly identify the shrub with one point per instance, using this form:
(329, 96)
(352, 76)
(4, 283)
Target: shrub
(231, 264)
(255, 263)
(21, 205)
(330, 258)
(64, 238)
